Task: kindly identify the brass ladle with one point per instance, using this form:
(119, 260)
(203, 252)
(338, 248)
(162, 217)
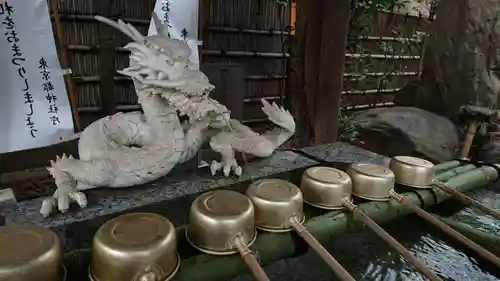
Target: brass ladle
(330, 189)
(222, 222)
(278, 208)
(419, 173)
(375, 182)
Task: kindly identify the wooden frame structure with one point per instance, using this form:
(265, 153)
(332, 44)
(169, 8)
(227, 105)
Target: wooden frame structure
(321, 34)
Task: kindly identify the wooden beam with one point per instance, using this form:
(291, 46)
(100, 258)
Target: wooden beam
(335, 23)
(321, 35)
(106, 60)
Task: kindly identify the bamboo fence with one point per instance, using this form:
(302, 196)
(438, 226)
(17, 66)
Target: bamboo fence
(253, 34)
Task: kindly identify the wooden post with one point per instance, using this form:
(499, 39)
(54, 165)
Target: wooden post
(107, 54)
(65, 64)
(321, 41)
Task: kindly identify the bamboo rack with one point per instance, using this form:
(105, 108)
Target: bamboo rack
(371, 91)
(273, 247)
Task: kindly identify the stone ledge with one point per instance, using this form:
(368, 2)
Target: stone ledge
(172, 195)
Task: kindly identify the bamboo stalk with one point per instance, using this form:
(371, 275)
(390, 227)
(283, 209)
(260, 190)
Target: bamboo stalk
(65, 64)
(383, 56)
(355, 75)
(243, 54)
(366, 106)
(466, 199)
(68, 16)
(469, 138)
(245, 30)
(454, 172)
(387, 38)
(439, 168)
(371, 91)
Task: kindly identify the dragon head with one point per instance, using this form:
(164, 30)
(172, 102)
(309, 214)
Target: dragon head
(159, 65)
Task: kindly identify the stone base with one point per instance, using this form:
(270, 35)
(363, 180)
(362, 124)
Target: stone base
(172, 195)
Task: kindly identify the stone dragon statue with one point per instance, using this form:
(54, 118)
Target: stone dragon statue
(127, 149)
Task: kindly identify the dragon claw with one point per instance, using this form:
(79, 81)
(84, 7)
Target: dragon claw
(66, 191)
(61, 199)
(226, 166)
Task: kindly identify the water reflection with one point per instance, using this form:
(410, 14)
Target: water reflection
(478, 219)
(366, 257)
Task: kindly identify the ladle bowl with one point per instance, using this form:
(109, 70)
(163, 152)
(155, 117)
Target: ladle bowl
(218, 220)
(135, 246)
(371, 181)
(326, 188)
(276, 202)
(30, 253)
(412, 171)
(278, 208)
(222, 222)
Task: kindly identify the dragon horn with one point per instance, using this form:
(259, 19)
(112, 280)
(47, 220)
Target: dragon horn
(116, 25)
(161, 29)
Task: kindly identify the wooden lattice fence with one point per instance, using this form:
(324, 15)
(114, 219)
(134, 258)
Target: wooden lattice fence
(251, 35)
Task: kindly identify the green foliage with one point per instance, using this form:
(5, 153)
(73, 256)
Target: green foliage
(361, 20)
(347, 131)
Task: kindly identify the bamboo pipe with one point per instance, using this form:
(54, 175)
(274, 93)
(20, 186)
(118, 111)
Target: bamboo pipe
(446, 175)
(443, 167)
(465, 199)
(249, 258)
(446, 229)
(469, 138)
(393, 243)
(337, 268)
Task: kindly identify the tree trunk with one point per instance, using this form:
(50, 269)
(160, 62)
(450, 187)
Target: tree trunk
(318, 69)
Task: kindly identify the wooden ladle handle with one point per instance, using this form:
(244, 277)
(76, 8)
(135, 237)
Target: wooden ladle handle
(258, 273)
(321, 251)
(380, 232)
(466, 199)
(448, 230)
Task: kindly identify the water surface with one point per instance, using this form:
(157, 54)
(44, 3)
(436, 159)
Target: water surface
(366, 257)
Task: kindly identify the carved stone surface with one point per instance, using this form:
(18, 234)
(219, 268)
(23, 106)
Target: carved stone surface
(407, 131)
(339, 152)
(460, 54)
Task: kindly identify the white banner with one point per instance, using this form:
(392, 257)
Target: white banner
(181, 16)
(34, 105)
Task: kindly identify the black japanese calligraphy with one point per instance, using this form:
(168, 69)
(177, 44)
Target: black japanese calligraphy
(49, 88)
(5, 8)
(18, 59)
(166, 6)
(184, 34)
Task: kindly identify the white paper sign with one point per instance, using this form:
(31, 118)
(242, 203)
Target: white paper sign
(34, 105)
(181, 16)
